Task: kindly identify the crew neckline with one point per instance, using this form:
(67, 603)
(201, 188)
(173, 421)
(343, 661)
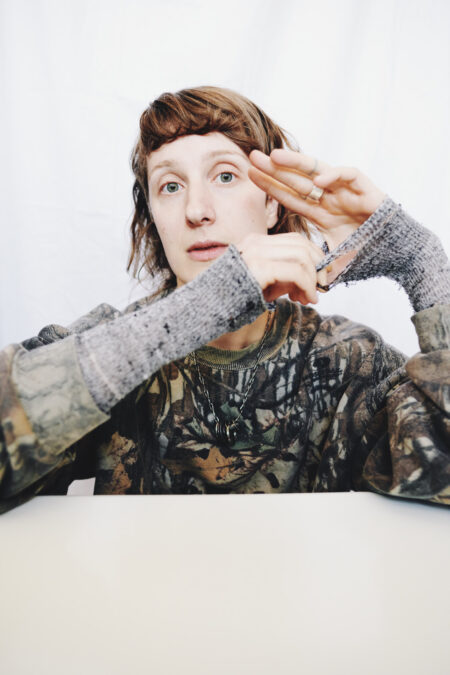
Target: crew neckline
(240, 359)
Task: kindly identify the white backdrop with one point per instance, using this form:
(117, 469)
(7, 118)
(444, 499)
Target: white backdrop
(357, 82)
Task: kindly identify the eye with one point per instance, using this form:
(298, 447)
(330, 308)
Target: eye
(228, 175)
(169, 186)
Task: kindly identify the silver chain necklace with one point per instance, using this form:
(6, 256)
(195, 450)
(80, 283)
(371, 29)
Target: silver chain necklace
(226, 432)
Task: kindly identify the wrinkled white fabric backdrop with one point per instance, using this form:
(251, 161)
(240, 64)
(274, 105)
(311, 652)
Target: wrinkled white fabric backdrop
(358, 83)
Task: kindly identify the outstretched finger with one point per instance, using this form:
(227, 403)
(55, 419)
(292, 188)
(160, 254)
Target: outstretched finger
(307, 165)
(287, 196)
(338, 175)
(290, 177)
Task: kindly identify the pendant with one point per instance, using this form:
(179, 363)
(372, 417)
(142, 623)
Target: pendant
(226, 433)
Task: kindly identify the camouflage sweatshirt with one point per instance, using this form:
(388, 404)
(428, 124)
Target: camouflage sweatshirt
(331, 408)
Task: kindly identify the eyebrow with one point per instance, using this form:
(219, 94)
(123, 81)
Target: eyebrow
(214, 153)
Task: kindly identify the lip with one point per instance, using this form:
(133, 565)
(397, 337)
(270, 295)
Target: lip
(206, 250)
(207, 243)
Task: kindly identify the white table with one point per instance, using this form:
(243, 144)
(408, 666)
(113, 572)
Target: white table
(312, 584)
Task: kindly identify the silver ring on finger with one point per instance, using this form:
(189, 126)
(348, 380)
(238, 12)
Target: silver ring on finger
(315, 194)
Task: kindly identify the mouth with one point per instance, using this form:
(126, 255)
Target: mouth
(206, 250)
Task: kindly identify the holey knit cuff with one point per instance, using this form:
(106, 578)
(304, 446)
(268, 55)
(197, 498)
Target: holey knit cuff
(392, 244)
(117, 356)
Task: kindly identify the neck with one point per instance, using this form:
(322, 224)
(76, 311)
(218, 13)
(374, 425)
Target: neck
(245, 336)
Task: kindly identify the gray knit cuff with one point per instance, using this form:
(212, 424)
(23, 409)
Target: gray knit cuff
(118, 356)
(392, 244)
(362, 236)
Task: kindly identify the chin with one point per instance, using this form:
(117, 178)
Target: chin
(186, 278)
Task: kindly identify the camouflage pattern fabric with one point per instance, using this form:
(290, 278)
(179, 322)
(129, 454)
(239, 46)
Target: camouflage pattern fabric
(332, 408)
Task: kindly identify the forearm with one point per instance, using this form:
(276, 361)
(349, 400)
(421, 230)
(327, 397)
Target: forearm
(406, 449)
(69, 387)
(392, 244)
(31, 450)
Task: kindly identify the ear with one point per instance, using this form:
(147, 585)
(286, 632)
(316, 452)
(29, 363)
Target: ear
(271, 212)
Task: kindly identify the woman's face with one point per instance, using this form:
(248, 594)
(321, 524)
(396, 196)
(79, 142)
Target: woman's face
(200, 192)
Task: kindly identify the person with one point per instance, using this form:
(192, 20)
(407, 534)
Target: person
(226, 379)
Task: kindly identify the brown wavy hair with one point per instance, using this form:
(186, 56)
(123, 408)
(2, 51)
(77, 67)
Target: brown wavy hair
(195, 111)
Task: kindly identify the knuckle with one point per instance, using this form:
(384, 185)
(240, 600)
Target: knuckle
(294, 236)
(304, 258)
(247, 239)
(248, 244)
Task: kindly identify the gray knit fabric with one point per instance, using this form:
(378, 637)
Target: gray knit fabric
(392, 244)
(117, 356)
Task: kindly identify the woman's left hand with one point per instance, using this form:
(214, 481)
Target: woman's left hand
(349, 197)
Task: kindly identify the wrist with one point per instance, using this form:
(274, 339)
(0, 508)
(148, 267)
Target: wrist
(392, 244)
(361, 240)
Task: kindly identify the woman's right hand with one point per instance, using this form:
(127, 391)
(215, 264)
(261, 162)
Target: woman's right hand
(284, 264)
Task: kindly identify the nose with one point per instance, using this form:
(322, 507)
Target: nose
(199, 206)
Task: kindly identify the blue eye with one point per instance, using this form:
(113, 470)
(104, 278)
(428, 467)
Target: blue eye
(229, 174)
(173, 186)
(167, 185)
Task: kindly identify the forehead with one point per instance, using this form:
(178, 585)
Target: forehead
(192, 149)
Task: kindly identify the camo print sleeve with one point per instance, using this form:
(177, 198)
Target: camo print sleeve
(36, 448)
(391, 434)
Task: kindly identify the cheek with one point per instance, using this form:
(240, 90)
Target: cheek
(165, 226)
(253, 208)
(170, 241)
